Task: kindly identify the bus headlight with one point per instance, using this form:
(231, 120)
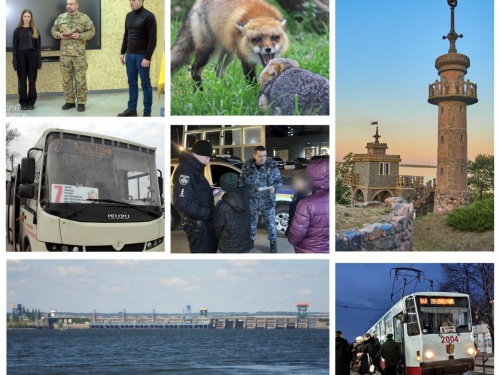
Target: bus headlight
(470, 351)
(64, 248)
(428, 354)
(419, 358)
(75, 249)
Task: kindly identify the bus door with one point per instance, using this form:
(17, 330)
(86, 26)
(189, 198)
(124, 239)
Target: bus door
(13, 209)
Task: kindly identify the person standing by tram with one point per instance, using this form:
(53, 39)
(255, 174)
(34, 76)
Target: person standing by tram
(369, 351)
(391, 353)
(357, 352)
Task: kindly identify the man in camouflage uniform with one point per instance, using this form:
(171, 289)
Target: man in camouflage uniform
(262, 178)
(74, 29)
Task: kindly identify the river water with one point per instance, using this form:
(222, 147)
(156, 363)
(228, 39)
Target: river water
(427, 173)
(168, 351)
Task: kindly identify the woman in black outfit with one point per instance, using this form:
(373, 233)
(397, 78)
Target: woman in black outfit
(27, 58)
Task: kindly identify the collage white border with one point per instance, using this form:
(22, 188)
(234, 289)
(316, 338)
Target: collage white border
(333, 258)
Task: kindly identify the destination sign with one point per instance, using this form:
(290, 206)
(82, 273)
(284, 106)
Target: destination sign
(442, 301)
(81, 148)
(72, 194)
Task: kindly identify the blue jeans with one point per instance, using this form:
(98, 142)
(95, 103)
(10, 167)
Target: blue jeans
(134, 70)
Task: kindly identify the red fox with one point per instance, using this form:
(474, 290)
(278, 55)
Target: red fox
(253, 29)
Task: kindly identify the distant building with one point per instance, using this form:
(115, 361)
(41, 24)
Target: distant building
(286, 142)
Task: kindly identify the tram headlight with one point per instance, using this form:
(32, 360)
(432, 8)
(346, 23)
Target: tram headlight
(64, 248)
(428, 354)
(75, 249)
(470, 351)
(419, 358)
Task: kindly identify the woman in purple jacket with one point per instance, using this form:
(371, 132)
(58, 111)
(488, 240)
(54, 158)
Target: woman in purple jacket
(311, 225)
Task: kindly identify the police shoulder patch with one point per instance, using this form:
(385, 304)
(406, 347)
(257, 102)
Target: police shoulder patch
(183, 179)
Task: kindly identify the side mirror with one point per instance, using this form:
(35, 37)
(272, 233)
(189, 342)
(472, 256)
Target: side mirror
(404, 319)
(27, 191)
(27, 170)
(160, 185)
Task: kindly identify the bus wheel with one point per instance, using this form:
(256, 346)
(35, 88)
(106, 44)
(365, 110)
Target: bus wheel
(281, 219)
(175, 218)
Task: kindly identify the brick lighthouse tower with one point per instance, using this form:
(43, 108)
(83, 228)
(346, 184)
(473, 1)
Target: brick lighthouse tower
(452, 94)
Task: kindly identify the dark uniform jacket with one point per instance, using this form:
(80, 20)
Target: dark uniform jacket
(192, 195)
(253, 178)
(390, 352)
(232, 222)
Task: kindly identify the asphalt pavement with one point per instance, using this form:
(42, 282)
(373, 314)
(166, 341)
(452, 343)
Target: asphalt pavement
(179, 243)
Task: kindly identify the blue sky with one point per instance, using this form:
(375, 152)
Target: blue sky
(168, 286)
(385, 54)
(366, 289)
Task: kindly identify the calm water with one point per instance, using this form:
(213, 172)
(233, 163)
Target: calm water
(168, 351)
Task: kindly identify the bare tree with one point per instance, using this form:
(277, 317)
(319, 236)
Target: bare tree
(476, 280)
(12, 134)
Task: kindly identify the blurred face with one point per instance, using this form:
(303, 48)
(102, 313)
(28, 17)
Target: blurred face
(136, 4)
(299, 184)
(72, 7)
(202, 159)
(26, 19)
(260, 157)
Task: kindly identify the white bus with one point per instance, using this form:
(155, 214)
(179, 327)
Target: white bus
(78, 191)
(434, 330)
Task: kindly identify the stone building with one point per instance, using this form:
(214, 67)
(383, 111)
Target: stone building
(452, 94)
(376, 177)
(375, 173)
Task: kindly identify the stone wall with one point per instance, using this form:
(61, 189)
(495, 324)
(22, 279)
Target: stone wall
(447, 201)
(394, 232)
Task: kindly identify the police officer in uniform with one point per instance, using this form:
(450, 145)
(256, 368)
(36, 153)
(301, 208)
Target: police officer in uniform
(74, 29)
(262, 178)
(193, 198)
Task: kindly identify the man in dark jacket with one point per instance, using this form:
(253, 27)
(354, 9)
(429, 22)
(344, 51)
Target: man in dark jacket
(391, 353)
(232, 217)
(342, 355)
(193, 198)
(139, 43)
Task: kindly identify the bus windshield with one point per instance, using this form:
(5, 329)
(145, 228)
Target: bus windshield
(89, 168)
(441, 315)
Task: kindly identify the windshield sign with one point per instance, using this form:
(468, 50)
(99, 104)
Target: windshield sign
(72, 194)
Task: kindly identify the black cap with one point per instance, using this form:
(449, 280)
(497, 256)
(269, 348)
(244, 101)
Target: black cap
(202, 148)
(228, 181)
(389, 335)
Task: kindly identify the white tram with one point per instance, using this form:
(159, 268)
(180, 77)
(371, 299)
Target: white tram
(434, 330)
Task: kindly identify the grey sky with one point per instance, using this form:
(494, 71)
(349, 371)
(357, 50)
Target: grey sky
(168, 286)
(147, 133)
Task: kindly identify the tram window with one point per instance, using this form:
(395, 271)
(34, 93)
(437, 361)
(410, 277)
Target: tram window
(411, 311)
(398, 330)
(413, 329)
(388, 324)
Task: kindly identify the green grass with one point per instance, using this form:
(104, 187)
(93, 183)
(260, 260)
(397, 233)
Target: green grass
(233, 96)
(478, 217)
(431, 233)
